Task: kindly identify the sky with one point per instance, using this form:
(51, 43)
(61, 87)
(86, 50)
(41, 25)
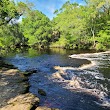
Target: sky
(49, 6)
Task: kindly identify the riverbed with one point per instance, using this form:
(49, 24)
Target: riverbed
(57, 69)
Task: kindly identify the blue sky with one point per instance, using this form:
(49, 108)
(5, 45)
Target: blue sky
(49, 6)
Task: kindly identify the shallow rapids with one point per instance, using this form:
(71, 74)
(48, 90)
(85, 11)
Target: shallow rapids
(71, 82)
(77, 79)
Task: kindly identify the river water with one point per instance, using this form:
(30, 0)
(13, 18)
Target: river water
(72, 80)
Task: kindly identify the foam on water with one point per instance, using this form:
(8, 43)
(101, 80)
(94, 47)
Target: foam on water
(78, 79)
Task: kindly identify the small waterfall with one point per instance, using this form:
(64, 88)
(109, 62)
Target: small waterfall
(85, 78)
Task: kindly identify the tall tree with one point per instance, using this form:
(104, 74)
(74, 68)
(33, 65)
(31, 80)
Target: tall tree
(37, 28)
(10, 33)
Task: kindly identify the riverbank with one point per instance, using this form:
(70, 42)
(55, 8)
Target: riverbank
(14, 89)
(68, 78)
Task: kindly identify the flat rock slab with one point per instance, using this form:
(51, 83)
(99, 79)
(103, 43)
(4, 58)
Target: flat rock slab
(12, 83)
(22, 102)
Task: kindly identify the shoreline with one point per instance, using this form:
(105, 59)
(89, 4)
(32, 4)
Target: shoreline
(14, 87)
(11, 72)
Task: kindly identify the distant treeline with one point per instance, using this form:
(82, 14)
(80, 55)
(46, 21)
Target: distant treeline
(74, 27)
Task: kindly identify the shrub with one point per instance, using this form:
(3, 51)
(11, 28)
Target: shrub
(100, 47)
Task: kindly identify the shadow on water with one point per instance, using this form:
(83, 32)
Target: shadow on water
(60, 97)
(58, 93)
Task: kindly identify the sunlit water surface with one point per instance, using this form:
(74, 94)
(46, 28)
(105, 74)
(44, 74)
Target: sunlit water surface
(93, 92)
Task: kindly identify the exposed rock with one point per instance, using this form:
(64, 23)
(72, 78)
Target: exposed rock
(9, 71)
(22, 102)
(17, 107)
(41, 92)
(12, 83)
(45, 108)
(60, 69)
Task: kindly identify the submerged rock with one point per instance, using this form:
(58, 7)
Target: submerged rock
(30, 71)
(22, 102)
(42, 92)
(12, 83)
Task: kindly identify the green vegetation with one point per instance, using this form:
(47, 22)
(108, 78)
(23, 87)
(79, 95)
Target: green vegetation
(74, 27)
(84, 27)
(36, 27)
(11, 34)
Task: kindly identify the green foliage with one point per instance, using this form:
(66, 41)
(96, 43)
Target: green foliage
(82, 25)
(61, 43)
(10, 32)
(104, 39)
(37, 28)
(11, 36)
(8, 11)
(100, 47)
(74, 27)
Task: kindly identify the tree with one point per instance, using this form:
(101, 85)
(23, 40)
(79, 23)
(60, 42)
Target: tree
(11, 34)
(71, 22)
(98, 16)
(37, 28)
(81, 25)
(9, 10)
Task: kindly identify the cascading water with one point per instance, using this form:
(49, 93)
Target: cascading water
(86, 78)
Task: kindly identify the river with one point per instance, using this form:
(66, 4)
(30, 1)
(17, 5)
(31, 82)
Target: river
(58, 69)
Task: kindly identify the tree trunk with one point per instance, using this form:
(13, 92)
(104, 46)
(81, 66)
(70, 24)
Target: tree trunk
(93, 35)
